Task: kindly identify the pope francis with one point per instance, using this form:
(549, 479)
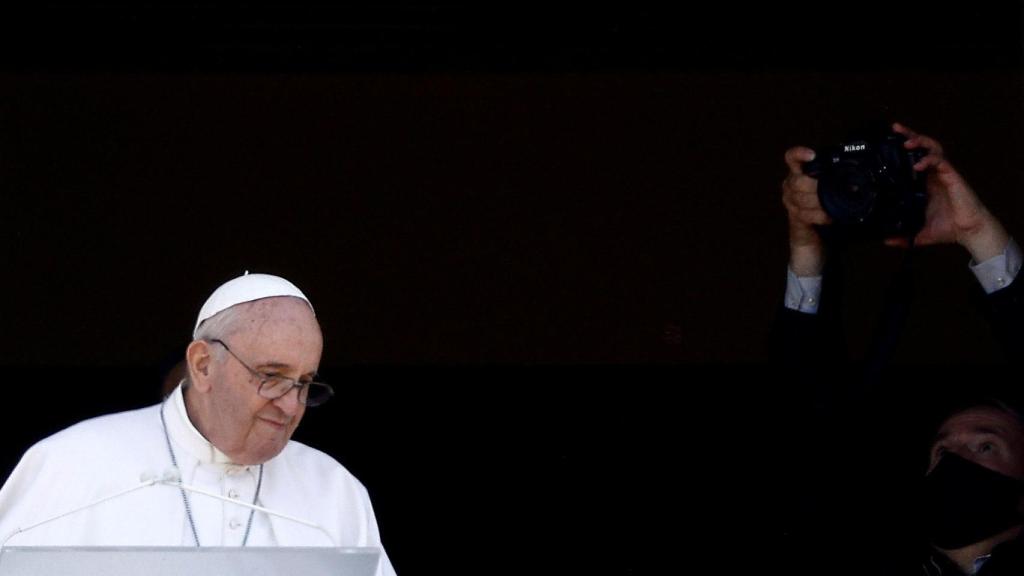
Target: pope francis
(225, 430)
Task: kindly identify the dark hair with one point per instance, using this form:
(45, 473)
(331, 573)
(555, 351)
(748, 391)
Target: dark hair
(1003, 398)
(986, 402)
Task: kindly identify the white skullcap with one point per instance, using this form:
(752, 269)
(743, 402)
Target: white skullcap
(246, 289)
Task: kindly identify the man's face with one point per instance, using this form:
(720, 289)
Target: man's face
(986, 436)
(277, 336)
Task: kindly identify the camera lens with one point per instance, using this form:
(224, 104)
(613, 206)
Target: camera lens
(849, 193)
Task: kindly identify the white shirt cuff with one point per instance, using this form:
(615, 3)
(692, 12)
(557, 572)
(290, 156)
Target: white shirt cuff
(802, 293)
(999, 271)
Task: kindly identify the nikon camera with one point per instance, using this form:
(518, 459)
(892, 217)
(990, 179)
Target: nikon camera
(870, 186)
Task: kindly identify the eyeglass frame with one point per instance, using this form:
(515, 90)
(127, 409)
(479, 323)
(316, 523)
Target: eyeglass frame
(264, 378)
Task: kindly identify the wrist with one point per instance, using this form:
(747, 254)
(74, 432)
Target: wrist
(985, 241)
(806, 259)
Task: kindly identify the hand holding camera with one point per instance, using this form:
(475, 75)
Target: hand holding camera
(896, 188)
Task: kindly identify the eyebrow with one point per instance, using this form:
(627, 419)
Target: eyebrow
(273, 365)
(283, 366)
(982, 430)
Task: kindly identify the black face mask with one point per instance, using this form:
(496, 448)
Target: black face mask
(966, 503)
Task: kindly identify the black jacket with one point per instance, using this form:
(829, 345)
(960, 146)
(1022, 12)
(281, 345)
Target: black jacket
(854, 464)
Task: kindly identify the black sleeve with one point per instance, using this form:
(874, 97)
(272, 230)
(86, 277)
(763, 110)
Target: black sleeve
(1005, 310)
(808, 351)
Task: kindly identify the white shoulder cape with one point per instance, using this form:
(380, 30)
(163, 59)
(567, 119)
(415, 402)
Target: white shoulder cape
(103, 456)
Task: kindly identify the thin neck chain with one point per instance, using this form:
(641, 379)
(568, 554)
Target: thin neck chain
(184, 496)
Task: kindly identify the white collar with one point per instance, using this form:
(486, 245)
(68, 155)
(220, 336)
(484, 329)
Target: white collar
(184, 433)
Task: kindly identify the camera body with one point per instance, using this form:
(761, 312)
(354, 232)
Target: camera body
(870, 187)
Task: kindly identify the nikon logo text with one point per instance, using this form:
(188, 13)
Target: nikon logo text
(854, 147)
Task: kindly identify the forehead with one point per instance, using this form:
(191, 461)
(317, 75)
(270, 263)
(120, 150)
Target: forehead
(281, 321)
(982, 420)
(278, 308)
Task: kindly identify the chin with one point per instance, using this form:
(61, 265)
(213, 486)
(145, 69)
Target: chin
(263, 455)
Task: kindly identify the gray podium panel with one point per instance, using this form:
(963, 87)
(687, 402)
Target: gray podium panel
(168, 560)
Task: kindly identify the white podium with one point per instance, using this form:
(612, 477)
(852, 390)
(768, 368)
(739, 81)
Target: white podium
(191, 561)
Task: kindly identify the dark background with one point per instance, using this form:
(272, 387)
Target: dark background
(545, 244)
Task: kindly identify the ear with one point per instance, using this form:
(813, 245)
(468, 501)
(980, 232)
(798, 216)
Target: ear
(200, 362)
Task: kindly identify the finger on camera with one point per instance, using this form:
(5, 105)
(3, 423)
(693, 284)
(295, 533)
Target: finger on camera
(796, 156)
(929, 161)
(906, 131)
(807, 199)
(913, 139)
(898, 242)
(802, 203)
(800, 184)
(814, 216)
(922, 141)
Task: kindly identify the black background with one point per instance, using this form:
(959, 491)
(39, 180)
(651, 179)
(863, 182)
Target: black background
(545, 245)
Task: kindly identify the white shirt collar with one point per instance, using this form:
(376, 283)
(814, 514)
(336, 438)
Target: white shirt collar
(184, 433)
(979, 562)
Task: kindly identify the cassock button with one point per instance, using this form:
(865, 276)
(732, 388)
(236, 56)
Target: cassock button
(234, 524)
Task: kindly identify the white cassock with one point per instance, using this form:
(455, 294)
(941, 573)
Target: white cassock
(106, 455)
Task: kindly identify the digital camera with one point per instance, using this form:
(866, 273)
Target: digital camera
(871, 187)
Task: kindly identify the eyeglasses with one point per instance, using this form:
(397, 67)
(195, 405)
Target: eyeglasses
(273, 386)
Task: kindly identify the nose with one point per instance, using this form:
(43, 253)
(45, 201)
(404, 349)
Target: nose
(289, 403)
(959, 449)
(963, 452)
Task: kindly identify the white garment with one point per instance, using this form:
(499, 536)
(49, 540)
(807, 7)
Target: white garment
(106, 455)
